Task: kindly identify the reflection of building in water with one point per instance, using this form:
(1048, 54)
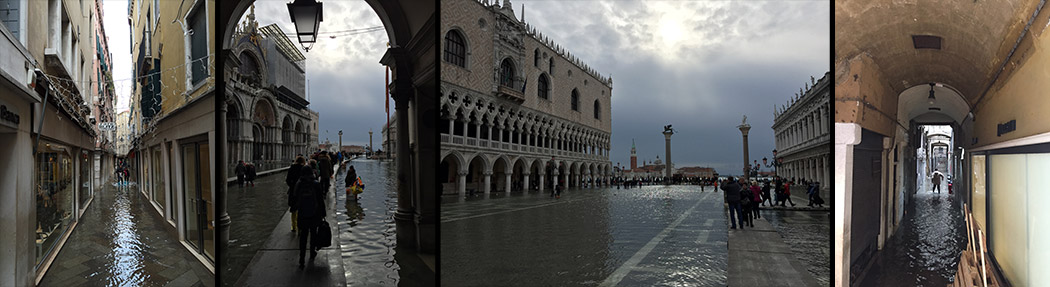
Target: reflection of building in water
(268, 121)
(517, 110)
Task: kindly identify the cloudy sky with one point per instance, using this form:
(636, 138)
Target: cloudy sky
(344, 74)
(699, 65)
(115, 21)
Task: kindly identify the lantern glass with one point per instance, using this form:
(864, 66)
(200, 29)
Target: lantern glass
(306, 14)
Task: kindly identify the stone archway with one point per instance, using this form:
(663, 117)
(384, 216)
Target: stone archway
(413, 64)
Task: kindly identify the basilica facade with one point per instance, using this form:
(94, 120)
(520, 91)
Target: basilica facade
(518, 111)
(268, 119)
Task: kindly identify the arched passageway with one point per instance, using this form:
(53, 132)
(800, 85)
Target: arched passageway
(902, 67)
(413, 72)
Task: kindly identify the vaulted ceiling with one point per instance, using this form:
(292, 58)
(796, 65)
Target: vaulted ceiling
(976, 38)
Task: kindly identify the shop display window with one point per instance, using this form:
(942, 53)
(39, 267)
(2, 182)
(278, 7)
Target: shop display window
(54, 190)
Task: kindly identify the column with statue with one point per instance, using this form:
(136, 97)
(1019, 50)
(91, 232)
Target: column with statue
(744, 128)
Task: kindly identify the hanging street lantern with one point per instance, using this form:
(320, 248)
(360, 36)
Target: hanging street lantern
(307, 16)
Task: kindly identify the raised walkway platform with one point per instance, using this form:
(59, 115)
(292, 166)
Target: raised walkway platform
(758, 256)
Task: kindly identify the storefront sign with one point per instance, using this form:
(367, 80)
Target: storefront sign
(1007, 127)
(8, 116)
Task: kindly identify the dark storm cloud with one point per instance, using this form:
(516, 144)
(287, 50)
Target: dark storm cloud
(732, 58)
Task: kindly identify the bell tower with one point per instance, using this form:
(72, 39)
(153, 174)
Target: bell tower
(634, 156)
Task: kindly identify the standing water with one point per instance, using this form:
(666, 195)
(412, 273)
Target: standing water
(926, 248)
(367, 232)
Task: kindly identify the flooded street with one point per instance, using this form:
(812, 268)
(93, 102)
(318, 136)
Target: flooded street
(809, 235)
(254, 212)
(122, 241)
(648, 236)
(366, 238)
(367, 234)
(926, 248)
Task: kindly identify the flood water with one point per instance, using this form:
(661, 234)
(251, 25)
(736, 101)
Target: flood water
(926, 248)
(809, 235)
(366, 235)
(648, 236)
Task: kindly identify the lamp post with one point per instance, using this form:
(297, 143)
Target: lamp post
(774, 164)
(307, 16)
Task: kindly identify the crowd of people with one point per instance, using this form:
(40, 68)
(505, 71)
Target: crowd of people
(745, 198)
(309, 181)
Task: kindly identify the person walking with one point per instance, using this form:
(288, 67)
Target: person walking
(732, 197)
(324, 162)
(937, 180)
(787, 194)
(810, 192)
(757, 198)
(765, 194)
(239, 170)
(350, 180)
(250, 174)
(745, 203)
(290, 179)
(309, 203)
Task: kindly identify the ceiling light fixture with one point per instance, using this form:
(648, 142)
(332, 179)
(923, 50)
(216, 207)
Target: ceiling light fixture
(931, 98)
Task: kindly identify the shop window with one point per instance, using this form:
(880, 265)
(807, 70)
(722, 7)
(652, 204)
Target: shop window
(54, 190)
(85, 178)
(158, 178)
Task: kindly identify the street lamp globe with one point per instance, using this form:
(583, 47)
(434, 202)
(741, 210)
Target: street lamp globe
(307, 16)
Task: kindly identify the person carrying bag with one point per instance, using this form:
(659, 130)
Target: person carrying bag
(309, 204)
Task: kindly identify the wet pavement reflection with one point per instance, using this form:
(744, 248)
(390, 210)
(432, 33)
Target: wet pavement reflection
(926, 248)
(808, 233)
(648, 236)
(254, 213)
(118, 242)
(367, 234)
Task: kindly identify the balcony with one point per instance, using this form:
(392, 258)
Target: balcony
(513, 90)
(477, 144)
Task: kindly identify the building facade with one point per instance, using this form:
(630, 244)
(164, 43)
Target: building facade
(102, 106)
(172, 117)
(803, 135)
(47, 130)
(519, 111)
(390, 139)
(268, 121)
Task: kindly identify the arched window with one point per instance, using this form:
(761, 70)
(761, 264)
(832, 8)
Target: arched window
(551, 67)
(536, 57)
(506, 73)
(455, 50)
(597, 110)
(575, 100)
(544, 87)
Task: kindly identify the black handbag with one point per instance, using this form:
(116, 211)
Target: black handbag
(324, 234)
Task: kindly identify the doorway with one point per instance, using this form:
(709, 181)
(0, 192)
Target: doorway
(199, 229)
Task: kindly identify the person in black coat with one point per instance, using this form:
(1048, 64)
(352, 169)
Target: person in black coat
(732, 197)
(290, 179)
(309, 203)
(239, 170)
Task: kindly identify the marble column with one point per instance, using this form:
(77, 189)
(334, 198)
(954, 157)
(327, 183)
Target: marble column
(487, 176)
(525, 181)
(507, 181)
(461, 185)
